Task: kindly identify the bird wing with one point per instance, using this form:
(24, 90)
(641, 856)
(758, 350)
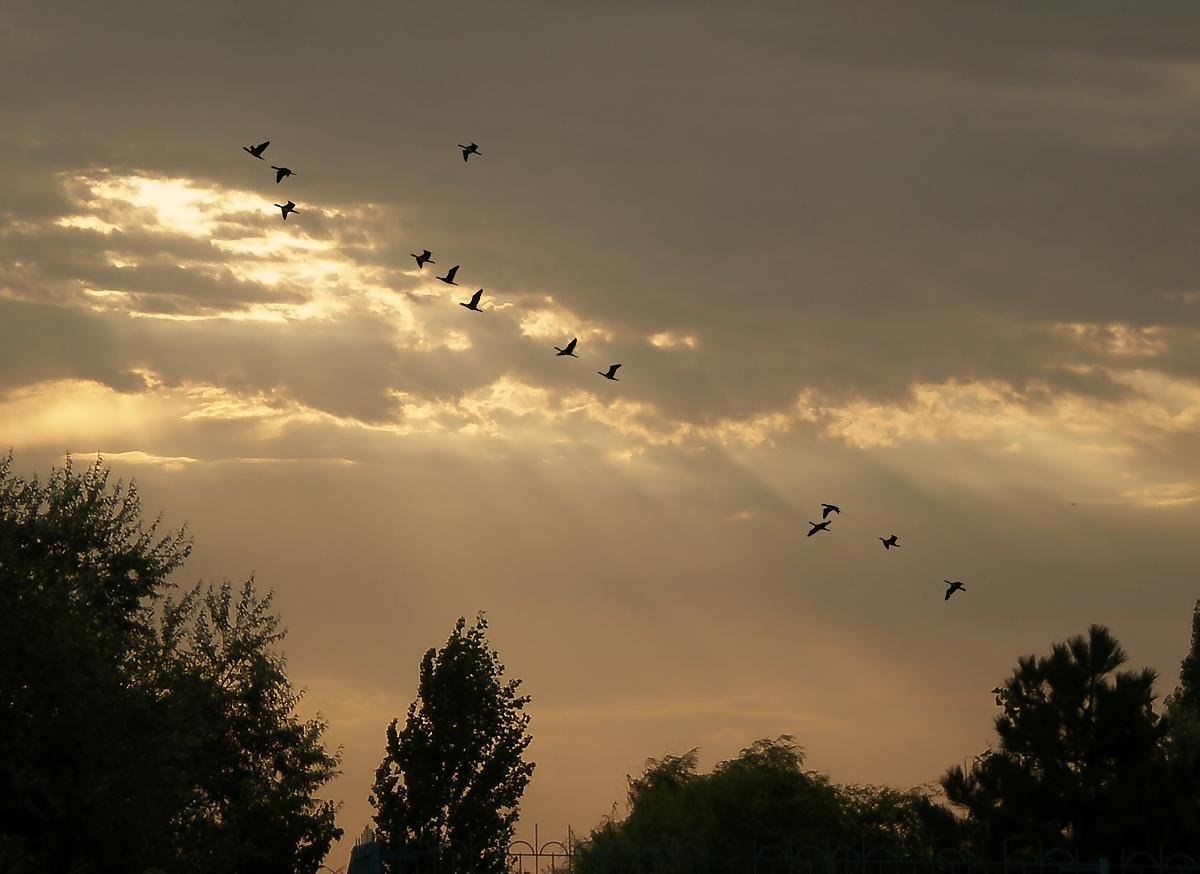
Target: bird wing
(453, 270)
(614, 368)
(262, 146)
(425, 253)
(466, 154)
(476, 296)
(825, 510)
(571, 345)
(949, 592)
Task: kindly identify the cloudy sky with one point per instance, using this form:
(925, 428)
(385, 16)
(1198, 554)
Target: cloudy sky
(933, 262)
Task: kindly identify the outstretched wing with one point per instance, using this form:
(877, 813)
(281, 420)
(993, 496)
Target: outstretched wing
(614, 368)
(279, 174)
(571, 346)
(949, 592)
(262, 146)
(475, 298)
(453, 270)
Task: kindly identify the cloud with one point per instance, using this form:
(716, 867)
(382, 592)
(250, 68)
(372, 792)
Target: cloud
(667, 340)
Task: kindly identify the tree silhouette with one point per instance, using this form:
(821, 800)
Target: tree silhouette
(1078, 756)
(681, 820)
(254, 806)
(1180, 818)
(450, 781)
(126, 742)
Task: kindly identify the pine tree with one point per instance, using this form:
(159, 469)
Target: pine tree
(1079, 753)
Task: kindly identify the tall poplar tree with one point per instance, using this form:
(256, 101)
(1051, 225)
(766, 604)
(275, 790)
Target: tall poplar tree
(452, 777)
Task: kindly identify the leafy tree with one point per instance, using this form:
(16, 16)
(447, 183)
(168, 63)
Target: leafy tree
(129, 739)
(1078, 760)
(451, 779)
(254, 806)
(905, 820)
(679, 818)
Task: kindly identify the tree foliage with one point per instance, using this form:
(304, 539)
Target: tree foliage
(137, 732)
(678, 817)
(1180, 817)
(452, 778)
(1079, 759)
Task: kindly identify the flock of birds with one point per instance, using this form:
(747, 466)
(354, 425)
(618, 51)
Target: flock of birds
(888, 542)
(426, 257)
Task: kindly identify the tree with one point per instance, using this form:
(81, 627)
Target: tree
(450, 781)
(679, 819)
(125, 742)
(1079, 754)
(1180, 818)
(254, 806)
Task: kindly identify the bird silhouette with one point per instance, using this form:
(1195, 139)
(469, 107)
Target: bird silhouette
(612, 370)
(889, 542)
(470, 150)
(955, 586)
(826, 509)
(569, 349)
(286, 207)
(817, 526)
(257, 151)
(474, 304)
(280, 172)
(449, 277)
(426, 257)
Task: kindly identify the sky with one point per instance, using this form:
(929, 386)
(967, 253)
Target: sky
(933, 262)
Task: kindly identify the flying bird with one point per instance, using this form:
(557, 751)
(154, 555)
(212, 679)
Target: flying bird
(470, 150)
(257, 151)
(280, 172)
(612, 371)
(449, 277)
(286, 207)
(826, 509)
(474, 304)
(955, 586)
(818, 526)
(426, 257)
(889, 542)
(569, 349)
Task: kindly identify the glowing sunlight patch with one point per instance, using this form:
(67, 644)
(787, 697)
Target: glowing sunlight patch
(667, 340)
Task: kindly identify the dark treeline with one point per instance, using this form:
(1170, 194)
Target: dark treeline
(1082, 761)
(145, 732)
